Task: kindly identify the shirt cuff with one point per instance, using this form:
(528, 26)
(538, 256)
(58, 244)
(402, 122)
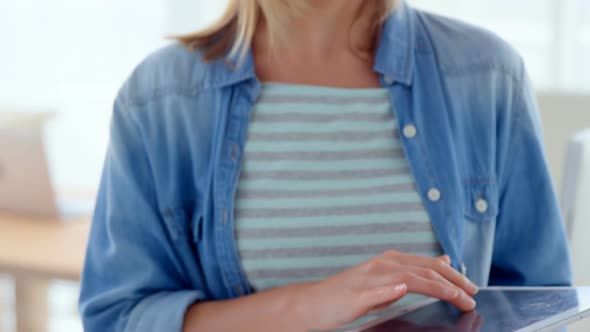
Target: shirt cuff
(162, 311)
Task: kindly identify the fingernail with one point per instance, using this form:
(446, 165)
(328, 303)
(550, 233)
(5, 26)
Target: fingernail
(469, 301)
(472, 303)
(470, 287)
(400, 288)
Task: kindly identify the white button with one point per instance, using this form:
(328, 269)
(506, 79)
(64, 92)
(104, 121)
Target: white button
(388, 80)
(410, 131)
(481, 205)
(434, 195)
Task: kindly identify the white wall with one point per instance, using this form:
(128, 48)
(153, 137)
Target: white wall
(184, 16)
(562, 116)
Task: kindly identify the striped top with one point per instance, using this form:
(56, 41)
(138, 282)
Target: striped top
(325, 185)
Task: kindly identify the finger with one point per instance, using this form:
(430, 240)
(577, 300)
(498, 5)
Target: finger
(434, 276)
(428, 274)
(423, 267)
(378, 296)
(380, 272)
(446, 258)
(442, 268)
(384, 272)
(439, 290)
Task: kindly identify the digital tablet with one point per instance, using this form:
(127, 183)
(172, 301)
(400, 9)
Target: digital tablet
(498, 310)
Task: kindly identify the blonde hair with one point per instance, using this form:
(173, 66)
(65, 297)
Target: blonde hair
(233, 33)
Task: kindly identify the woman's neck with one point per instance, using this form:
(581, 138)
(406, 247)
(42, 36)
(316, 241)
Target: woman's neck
(330, 44)
(326, 25)
(324, 28)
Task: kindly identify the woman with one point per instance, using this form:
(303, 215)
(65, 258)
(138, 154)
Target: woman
(301, 164)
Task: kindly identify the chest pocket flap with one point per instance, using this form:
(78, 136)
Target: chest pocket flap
(481, 200)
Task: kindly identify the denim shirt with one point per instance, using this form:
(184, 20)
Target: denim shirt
(162, 237)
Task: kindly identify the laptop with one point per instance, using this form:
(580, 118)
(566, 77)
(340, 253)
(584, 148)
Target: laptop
(498, 310)
(26, 188)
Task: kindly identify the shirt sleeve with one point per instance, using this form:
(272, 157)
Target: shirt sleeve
(134, 277)
(531, 247)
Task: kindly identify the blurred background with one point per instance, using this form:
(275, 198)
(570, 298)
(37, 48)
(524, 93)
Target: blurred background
(69, 57)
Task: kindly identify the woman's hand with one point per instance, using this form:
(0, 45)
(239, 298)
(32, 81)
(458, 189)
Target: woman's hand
(377, 283)
(338, 300)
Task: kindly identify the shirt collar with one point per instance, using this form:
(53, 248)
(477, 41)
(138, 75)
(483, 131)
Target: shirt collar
(224, 72)
(395, 51)
(394, 56)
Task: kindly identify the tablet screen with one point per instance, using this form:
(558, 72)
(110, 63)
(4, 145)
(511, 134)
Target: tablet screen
(498, 310)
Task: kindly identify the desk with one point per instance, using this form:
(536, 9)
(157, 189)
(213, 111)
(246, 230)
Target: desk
(34, 251)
